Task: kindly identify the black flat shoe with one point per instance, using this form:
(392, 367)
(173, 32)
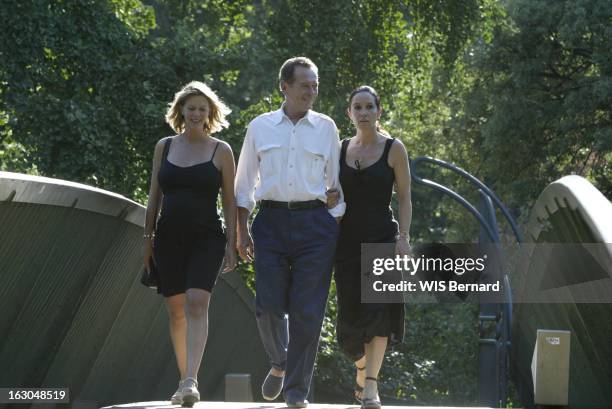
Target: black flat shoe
(272, 386)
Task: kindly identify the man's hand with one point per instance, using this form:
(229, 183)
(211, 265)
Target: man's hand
(333, 195)
(244, 242)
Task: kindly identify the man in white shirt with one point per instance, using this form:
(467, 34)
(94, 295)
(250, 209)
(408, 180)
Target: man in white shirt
(289, 158)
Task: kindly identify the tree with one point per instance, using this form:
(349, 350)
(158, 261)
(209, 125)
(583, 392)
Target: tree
(70, 67)
(540, 106)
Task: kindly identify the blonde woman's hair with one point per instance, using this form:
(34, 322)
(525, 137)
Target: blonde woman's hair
(217, 108)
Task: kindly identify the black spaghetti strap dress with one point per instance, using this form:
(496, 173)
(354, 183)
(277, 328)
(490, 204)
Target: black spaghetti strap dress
(189, 239)
(368, 219)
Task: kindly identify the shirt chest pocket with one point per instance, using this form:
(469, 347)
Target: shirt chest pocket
(270, 161)
(314, 164)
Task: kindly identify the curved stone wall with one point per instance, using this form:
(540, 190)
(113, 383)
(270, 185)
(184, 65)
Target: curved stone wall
(570, 210)
(74, 313)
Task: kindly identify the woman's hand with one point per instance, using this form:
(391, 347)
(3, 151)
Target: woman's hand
(402, 247)
(332, 198)
(147, 253)
(230, 260)
(245, 245)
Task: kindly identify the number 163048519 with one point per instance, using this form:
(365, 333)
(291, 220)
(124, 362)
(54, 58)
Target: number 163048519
(33, 395)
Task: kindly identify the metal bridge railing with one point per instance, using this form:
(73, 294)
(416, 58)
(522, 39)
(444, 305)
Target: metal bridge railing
(493, 352)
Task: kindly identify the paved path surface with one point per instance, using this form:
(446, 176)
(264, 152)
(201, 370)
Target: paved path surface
(257, 405)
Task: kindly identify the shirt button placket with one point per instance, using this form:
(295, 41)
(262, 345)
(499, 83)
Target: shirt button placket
(291, 161)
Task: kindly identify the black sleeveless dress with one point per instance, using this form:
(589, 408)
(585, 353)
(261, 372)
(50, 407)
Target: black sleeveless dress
(368, 219)
(189, 239)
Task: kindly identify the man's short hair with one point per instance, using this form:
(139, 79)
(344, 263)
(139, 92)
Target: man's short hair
(287, 71)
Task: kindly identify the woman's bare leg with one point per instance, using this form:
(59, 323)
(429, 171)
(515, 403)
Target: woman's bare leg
(178, 330)
(360, 365)
(196, 311)
(375, 354)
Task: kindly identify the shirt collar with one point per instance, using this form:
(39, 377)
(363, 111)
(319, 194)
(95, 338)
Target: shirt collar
(279, 115)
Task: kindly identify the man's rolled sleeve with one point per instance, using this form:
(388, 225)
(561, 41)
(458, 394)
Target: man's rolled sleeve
(247, 173)
(332, 174)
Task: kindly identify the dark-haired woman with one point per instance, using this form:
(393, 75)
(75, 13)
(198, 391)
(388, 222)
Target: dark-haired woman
(371, 165)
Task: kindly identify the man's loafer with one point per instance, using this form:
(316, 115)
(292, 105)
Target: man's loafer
(272, 386)
(297, 404)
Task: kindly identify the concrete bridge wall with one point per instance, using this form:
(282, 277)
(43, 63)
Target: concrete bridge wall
(74, 313)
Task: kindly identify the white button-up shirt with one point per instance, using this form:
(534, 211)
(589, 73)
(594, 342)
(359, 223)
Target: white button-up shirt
(289, 163)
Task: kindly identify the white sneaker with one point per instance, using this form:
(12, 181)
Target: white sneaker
(177, 398)
(190, 392)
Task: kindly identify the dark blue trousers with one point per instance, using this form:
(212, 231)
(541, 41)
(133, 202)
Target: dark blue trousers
(294, 254)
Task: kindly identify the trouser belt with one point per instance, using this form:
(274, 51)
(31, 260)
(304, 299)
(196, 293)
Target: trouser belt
(308, 204)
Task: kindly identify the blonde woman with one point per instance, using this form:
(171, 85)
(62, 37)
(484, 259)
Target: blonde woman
(187, 243)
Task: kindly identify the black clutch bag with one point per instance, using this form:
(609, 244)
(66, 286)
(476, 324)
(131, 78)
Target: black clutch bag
(148, 278)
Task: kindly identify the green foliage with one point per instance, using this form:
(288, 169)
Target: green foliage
(540, 107)
(138, 18)
(71, 65)
(14, 155)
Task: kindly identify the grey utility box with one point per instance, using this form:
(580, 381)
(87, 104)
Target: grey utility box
(238, 387)
(550, 367)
